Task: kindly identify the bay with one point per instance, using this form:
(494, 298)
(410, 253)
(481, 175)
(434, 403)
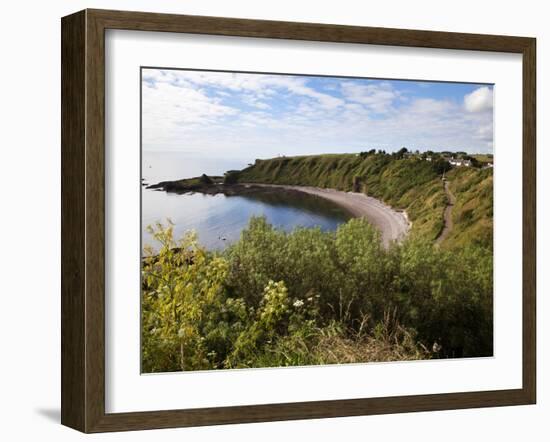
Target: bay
(219, 219)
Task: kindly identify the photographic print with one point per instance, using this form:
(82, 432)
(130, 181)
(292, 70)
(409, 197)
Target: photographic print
(301, 220)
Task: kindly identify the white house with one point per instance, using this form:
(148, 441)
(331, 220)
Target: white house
(459, 163)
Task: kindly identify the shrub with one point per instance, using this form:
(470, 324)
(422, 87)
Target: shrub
(311, 297)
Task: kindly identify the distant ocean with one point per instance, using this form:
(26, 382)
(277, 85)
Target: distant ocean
(166, 166)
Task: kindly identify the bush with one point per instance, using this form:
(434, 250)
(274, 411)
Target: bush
(312, 297)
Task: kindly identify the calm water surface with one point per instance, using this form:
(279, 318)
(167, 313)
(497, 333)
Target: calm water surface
(219, 219)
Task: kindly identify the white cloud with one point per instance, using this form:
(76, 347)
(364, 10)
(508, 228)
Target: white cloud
(479, 100)
(167, 111)
(262, 86)
(265, 115)
(377, 97)
(297, 86)
(254, 101)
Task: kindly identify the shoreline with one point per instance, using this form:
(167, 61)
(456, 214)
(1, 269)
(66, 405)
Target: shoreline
(393, 224)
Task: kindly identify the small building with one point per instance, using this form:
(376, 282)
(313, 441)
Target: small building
(457, 162)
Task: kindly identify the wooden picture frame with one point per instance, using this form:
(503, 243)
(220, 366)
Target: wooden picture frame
(83, 220)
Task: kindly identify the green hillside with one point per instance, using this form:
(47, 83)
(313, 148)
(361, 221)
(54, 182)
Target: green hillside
(473, 210)
(307, 297)
(410, 184)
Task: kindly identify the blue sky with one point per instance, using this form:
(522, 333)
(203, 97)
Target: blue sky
(261, 115)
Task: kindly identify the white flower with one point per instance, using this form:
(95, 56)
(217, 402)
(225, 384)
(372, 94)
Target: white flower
(298, 303)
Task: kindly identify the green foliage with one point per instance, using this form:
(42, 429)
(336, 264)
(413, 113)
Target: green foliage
(484, 158)
(365, 154)
(183, 293)
(441, 166)
(447, 296)
(401, 153)
(410, 184)
(311, 297)
(473, 209)
(303, 260)
(188, 184)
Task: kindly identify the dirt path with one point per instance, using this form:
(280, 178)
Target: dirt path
(393, 224)
(447, 216)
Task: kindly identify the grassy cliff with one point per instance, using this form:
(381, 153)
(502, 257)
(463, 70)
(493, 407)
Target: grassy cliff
(410, 184)
(473, 211)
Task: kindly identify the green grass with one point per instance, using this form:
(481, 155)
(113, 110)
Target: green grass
(473, 210)
(483, 158)
(310, 297)
(188, 184)
(410, 184)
